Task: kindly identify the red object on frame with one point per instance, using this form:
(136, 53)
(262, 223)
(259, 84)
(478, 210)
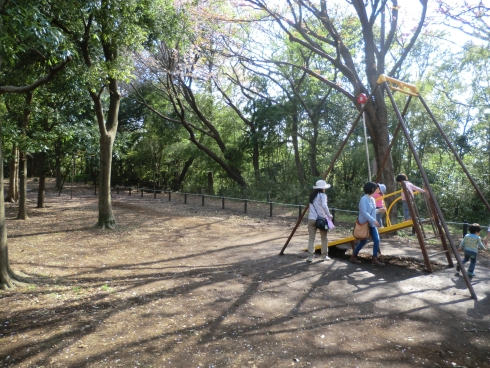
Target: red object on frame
(361, 99)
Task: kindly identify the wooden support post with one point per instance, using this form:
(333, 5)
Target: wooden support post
(437, 222)
(416, 226)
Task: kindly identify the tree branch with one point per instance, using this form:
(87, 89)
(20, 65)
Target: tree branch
(312, 73)
(412, 41)
(39, 82)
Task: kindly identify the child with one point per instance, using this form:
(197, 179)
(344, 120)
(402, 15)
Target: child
(380, 203)
(403, 178)
(471, 242)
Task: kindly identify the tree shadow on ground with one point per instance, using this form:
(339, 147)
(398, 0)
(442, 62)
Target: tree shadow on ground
(81, 317)
(228, 305)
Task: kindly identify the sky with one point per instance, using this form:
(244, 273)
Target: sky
(410, 9)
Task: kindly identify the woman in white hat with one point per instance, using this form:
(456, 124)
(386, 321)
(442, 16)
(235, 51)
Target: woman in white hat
(318, 207)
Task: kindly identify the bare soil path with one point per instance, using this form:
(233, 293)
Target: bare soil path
(180, 285)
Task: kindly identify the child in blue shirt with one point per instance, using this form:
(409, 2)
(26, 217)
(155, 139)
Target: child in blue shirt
(470, 244)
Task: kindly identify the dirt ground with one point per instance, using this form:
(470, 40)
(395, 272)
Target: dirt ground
(181, 285)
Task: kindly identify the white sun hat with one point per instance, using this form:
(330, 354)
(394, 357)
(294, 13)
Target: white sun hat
(382, 188)
(321, 184)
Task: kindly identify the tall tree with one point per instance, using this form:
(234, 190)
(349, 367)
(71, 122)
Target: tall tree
(26, 115)
(172, 77)
(104, 33)
(330, 31)
(20, 32)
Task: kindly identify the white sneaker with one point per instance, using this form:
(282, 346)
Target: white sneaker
(325, 258)
(310, 259)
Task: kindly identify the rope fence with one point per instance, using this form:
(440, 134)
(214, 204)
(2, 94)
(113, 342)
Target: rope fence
(251, 207)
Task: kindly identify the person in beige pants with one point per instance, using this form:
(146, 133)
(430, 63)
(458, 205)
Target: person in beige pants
(318, 206)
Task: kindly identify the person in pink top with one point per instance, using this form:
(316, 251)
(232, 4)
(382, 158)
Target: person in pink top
(411, 188)
(380, 203)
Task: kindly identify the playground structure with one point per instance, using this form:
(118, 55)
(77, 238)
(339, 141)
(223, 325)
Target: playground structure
(435, 215)
(382, 230)
(405, 224)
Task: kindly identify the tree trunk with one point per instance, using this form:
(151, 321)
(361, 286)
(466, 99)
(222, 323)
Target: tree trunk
(57, 151)
(106, 216)
(255, 155)
(314, 142)
(22, 214)
(42, 180)
(183, 173)
(210, 183)
(13, 194)
(297, 157)
(107, 130)
(120, 172)
(7, 276)
(379, 133)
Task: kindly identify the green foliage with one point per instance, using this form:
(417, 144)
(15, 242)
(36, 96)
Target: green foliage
(25, 26)
(274, 124)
